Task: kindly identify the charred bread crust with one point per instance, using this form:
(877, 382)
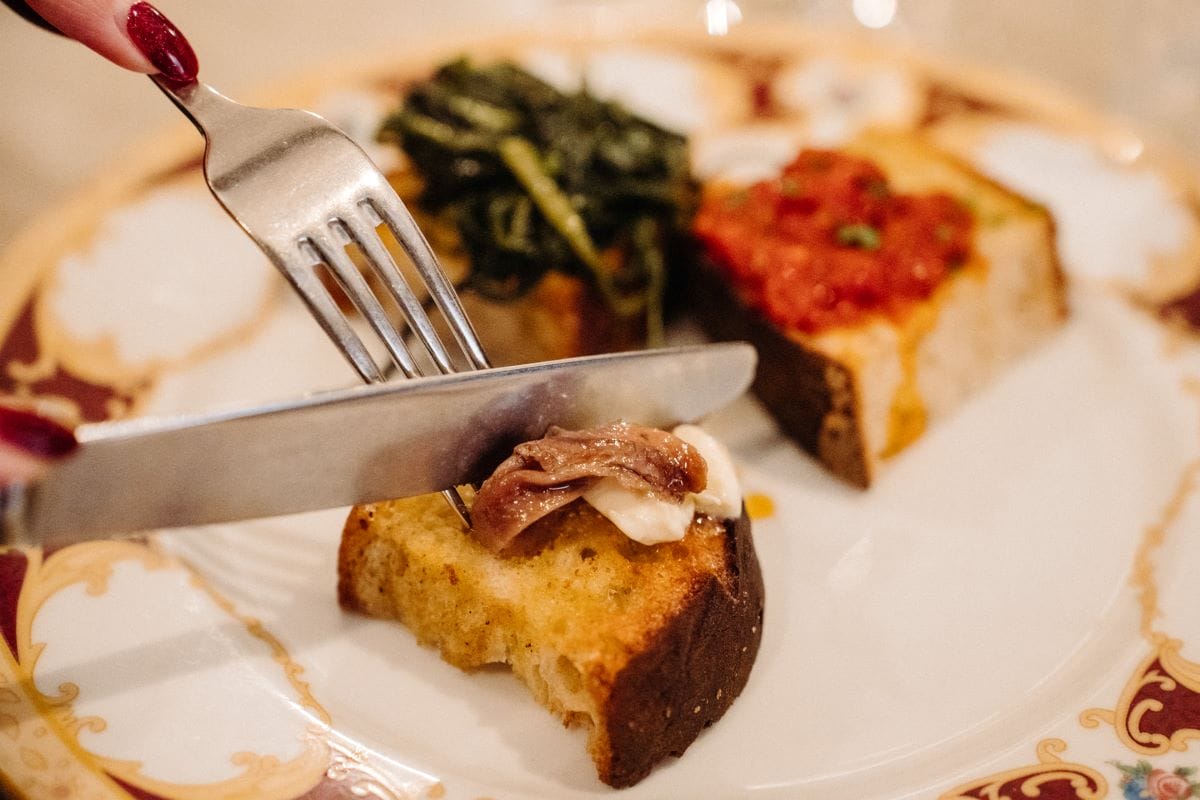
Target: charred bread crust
(812, 397)
(356, 535)
(713, 642)
(671, 671)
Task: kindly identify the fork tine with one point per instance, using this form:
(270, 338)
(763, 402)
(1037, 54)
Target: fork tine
(329, 316)
(358, 290)
(253, 154)
(389, 208)
(385, 267)
(355, 286)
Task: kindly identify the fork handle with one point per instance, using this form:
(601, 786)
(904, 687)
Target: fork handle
(198, 101)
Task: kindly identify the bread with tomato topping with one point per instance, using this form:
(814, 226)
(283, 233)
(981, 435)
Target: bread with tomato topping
(856, 387)
(642, 645)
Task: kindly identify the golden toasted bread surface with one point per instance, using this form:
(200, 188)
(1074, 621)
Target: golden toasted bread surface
(643, 645)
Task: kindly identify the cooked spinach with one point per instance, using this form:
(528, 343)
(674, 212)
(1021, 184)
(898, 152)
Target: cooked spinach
(537, 180)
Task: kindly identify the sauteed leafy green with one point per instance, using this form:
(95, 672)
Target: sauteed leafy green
(537, 180)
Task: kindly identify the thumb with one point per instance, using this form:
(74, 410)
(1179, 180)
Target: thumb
(29, 442)
(136, 36)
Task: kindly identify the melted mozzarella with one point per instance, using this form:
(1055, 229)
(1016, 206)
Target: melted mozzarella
(651, 520)
(722, 496)
(639, 516)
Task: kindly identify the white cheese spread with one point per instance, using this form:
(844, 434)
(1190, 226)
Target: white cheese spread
(651, 520)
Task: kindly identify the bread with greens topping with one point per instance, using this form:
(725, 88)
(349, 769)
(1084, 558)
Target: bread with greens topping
(550, 192)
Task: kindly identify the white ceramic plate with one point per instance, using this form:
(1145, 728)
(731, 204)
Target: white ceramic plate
(1008, 613)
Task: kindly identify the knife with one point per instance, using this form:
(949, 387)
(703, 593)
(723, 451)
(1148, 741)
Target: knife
(356, 445)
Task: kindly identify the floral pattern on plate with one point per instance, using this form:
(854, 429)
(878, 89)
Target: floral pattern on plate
(879, 677)
(1143, 781)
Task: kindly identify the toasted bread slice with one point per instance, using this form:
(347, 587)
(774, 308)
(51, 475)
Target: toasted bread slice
(643, 645)
(857, 395)
(561, 317)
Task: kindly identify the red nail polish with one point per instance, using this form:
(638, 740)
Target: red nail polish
(35, 435)
(161, 43)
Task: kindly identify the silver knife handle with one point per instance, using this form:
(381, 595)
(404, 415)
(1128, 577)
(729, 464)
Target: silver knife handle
(355, 445)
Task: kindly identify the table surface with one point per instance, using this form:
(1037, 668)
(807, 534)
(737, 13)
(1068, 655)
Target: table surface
(67, 113)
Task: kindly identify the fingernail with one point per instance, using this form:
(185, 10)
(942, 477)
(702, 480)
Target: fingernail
(161, 43)
(34, 434)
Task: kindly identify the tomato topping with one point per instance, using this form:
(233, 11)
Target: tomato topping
(828, 244)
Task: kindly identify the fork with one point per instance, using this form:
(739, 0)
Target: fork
(304, 192)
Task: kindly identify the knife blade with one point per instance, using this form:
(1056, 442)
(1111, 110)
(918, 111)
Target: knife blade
(356, 445)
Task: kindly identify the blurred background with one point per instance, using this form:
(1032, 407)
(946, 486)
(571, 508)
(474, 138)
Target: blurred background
(66, 113)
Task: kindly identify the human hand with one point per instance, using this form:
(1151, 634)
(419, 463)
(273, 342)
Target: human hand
(135, 36)
(29, 443)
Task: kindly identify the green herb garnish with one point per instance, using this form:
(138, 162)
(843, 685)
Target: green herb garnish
(537, 180)
(859, 235)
